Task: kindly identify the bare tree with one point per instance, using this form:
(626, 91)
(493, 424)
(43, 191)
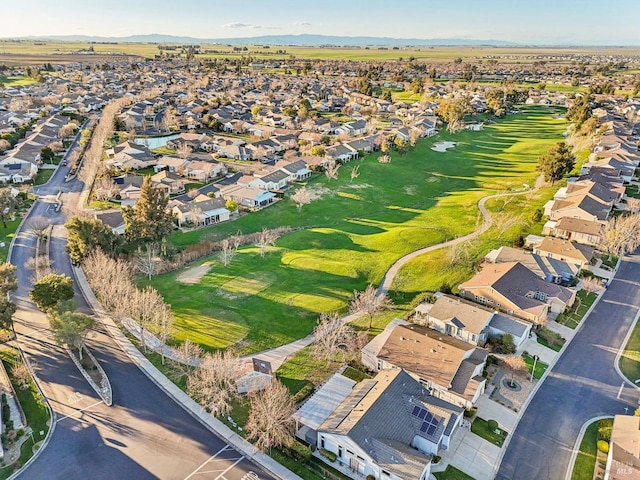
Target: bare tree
(186, 357)
(515, 364)
(301, 197)
(332, 338)
(633, 204)
(459, 254)
(145, 307)
(193, 193)
(4, 145)
(67, 130)
(355, 173)
(39, 226)
(148, 261)
(591, 284)
(266, 239)
(105, 189)
(40, 266)
(504, 221)
(184, 150)
(21, 374)
(368, 302)
(621, 235)
(384, 158)
(212, 383)
(227, 251)
(164, 321)
(400, 281)
(414, 136)
(270, 422)
(331, 170)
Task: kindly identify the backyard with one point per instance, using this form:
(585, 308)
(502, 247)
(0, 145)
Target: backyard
(354, 230)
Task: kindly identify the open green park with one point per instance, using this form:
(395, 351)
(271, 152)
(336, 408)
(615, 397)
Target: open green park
(355, 230)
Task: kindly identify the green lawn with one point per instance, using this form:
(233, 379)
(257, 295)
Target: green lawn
(6, 235)
(550, 339)
(630, 358)
(481, 428)
(43, 176)
(350, 236)
(16, 81)
(541, 367)
(586, 459)
(574, 315)
(33, 405)
(452, 473)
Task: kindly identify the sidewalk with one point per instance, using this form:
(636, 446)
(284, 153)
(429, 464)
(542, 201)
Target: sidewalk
(181, 398)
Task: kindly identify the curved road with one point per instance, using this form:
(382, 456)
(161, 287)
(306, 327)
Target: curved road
(145, 435)
(581, 385)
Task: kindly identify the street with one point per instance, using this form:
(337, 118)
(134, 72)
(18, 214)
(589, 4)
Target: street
(583, 384)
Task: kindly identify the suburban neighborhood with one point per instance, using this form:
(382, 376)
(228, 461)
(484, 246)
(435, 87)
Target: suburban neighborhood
(296, 256)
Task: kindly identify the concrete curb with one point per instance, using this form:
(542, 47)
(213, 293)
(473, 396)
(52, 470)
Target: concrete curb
(576, 446)
(542, 379)
(177, 395)
(105, 393)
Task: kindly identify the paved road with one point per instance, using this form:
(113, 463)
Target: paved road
(583, 384)
(145, 435)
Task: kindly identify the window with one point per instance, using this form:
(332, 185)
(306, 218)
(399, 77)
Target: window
(473, 337)
(385, 473)
(321, 442)
(339, 451)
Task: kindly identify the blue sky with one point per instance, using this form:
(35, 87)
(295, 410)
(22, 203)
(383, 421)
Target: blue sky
(613, 22)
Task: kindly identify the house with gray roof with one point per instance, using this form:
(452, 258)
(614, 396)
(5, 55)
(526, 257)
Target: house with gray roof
(389, 427)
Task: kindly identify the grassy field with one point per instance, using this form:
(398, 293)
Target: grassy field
(55, 49)
(586, 459)
(43, 176)
(16, 81)
(630, 358)
(6, 235)
(353, 234)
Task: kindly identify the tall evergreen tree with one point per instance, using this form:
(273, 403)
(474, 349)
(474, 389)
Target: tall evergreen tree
(148, 219)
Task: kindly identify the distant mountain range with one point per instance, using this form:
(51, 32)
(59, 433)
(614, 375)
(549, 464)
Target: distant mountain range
(297, 40)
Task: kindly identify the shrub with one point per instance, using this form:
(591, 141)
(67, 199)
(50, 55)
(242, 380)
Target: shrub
(603, 446)
(470, 413)
(20, 432)
(371, 477)
(304, 392)
(492, 424)
(330, 455)
(436, 459)
(604, 429)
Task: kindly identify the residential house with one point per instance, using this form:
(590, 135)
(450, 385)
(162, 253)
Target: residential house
(581, 231)
(450, 367)
(583, 207)
(171, 164)
(247, 197)
(171, 183)
(204, 170)
(112, 218)
(129, 188)
(357, 127)
(298, 170)
(274, 181)
(513, 288)
(546, 267)
(468, 321)
(201, 212)
(623, 459)
(255, 375)
(389, 427)
(565, 251)
(341, 153)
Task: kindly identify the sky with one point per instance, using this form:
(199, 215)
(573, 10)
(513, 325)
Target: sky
(541, 22)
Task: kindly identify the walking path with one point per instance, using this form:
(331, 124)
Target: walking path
(277, 356)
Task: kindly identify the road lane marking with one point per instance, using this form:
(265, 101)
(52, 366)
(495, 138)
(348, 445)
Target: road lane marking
(207, 461)
(230, 467)
(79, 411)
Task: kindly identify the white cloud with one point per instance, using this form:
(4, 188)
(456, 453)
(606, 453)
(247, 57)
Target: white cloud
(302, 24)
(237, 25)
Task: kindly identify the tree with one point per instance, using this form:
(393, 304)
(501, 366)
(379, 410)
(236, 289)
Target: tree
(266, 238)
(20, 372)
(51, 289)
(85, 236)
(317, 151)
(557, 162)
(70, 328)
(231, 205)
(148, 219)
(270, 422)
(148, 261)
(621, 235)
(227, 251)
(185, 357)
(580, 111)
(591, 284)
(301, 197)
(8, 205)
(105, 189)
(332, 339)
(368, 302)
(4, 145)
(47, 155)
(355, 173)
(515, 364)
(8, 283)
(212, 382)
(331, 170)
(453, 111)
(39, 226)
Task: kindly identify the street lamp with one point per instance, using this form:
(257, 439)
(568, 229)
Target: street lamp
(535, 360)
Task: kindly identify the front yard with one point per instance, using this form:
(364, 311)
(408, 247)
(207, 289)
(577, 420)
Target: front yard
(550, 339)
(586, 459)
(541, 367)
(574, 315)
(494, 435)
(354, 231)
(452, 473)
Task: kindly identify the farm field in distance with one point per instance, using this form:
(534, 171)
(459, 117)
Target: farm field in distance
(354, 231)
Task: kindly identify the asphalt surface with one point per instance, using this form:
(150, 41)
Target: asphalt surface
(145, 434)
(583, 384)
